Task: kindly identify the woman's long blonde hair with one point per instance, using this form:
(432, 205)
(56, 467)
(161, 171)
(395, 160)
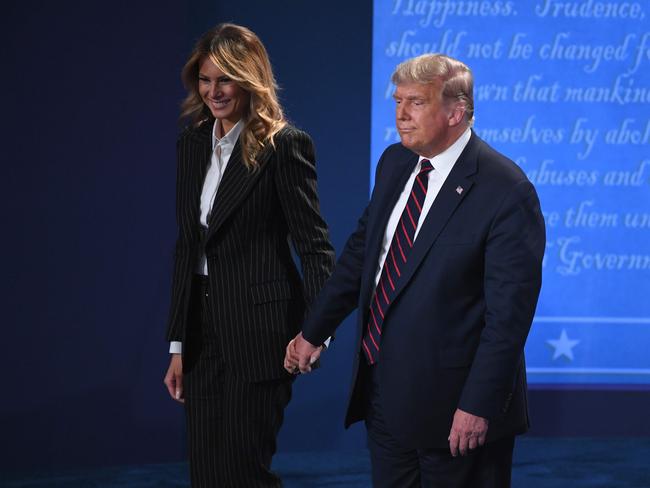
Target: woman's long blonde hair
(241, 56)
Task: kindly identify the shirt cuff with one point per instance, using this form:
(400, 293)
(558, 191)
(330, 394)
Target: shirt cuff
(327, 342)
(175, 347)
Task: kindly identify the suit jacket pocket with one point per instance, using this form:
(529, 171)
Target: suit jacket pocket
(271, 291)
(456, 357)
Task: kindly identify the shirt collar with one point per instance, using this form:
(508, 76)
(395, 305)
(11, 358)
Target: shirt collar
(230, 138)
(444, 162)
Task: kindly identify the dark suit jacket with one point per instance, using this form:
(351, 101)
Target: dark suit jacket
(258, 296)
(454, 335)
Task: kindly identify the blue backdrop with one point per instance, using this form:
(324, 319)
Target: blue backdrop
(563, 88)
(90, 98)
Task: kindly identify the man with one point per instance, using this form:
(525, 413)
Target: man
(445, 270)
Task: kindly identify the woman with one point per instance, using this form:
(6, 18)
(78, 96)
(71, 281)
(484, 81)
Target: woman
(246, 182)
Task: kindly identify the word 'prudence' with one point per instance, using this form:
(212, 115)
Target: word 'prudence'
(590, 9)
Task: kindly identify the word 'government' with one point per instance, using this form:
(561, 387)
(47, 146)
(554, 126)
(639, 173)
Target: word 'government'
(574, 260)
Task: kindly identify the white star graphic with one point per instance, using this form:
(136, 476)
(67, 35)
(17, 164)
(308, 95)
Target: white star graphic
(563, 346)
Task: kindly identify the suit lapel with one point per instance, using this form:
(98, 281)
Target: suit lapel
(453, 191)
(235, 185)
(200, 161)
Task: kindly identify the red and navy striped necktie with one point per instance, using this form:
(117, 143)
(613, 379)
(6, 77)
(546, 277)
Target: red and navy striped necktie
(391, 272)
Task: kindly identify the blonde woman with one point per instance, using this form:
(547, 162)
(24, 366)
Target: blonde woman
(246, 189)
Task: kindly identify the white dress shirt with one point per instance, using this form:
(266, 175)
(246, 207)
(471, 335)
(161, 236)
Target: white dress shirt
(221, 151)
(442, 166)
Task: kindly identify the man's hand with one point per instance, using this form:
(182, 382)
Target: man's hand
(300, 355)
(174, 378)
(467, 432)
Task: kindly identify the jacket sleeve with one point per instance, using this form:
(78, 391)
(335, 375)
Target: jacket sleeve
(297, 189)
(184, 258)
(513, 276)
(340, 294)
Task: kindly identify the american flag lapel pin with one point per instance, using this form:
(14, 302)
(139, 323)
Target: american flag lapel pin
(459, 189)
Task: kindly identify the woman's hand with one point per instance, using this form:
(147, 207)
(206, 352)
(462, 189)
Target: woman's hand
(300, 355)
(291, 358)
(174, 378)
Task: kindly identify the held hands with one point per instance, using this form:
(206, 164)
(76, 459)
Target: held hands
(300, 355)
(174, 378)
(467, 432)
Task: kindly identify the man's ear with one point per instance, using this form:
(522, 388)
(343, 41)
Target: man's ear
(456, 114)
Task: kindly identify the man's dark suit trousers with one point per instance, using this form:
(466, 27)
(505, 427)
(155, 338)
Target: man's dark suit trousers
(395, 465)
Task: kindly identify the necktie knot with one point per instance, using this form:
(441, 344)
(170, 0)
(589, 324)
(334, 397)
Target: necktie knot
(425, 166)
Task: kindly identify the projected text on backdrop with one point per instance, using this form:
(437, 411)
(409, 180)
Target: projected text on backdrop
(562, 88)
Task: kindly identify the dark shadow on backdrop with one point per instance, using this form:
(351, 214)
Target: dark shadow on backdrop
(91, 93)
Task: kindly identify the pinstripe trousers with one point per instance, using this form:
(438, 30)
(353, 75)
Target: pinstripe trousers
(231, 424)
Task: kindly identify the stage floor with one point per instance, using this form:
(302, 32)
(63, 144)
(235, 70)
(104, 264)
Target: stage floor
(539, 463)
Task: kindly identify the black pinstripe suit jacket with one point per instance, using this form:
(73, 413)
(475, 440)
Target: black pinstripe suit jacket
(258, 296)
